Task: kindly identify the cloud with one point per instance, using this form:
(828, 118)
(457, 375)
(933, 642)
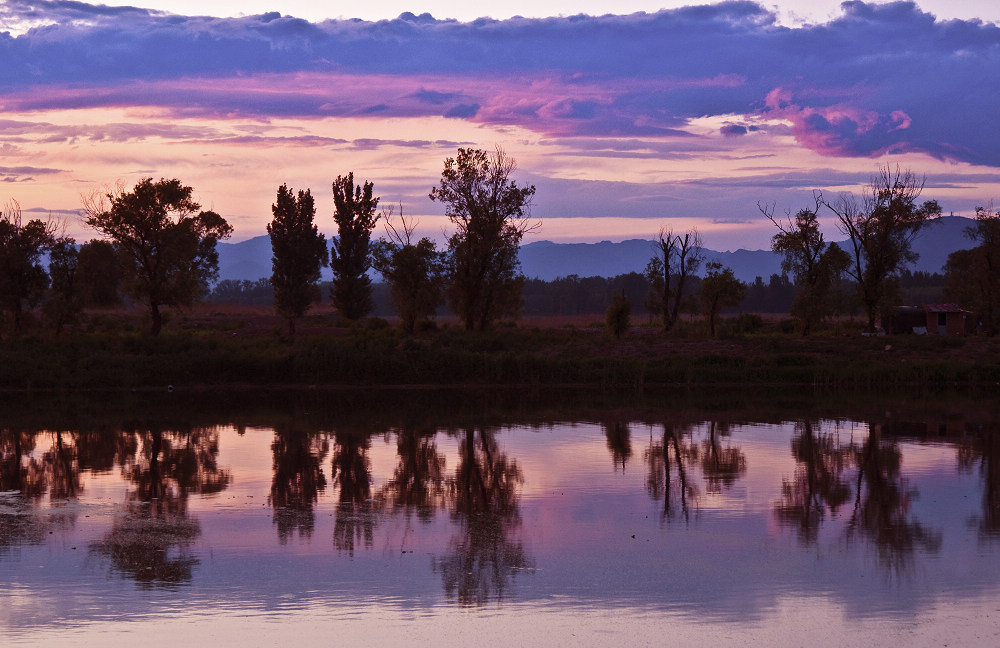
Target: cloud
(24, 173)
(881, 78)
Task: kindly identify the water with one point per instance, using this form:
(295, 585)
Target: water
(388, 520)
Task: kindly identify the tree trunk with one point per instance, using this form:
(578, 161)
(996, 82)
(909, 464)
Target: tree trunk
(154, 311)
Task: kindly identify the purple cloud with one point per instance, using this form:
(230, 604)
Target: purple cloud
(881, 78)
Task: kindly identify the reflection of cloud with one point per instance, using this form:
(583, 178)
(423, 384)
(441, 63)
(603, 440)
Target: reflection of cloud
(848, 87)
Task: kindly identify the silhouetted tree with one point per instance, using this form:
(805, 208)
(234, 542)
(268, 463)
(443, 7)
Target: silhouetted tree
(491, 214)
(167, 244)
(355, 214)
(99, 273)
(618, 316)
(298, 252)
(22, 277)
(414, 271)
(815, 265)
(64, 301)
(881, 229)
(243, 291)
(719, 288)
(677, 258)
(973, 276)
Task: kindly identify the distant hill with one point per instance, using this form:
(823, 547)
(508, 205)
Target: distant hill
(251, 259)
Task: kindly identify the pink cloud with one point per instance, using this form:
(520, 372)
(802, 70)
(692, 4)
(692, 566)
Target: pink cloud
(840, 129)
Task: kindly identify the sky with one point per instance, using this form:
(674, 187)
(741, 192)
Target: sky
(628, 117)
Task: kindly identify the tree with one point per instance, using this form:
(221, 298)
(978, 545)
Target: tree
(677, 258)
(414, 271)
(719, 289)
(491, 213)
(881, 229)
(167, 244)
(618, 316)
(99, 273)
(973, 276)
(22, 277)
(298, 252)
(351, 255)
(815, 266)
(64, 302)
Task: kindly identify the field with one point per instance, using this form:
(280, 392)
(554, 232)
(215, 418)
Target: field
(215, 345)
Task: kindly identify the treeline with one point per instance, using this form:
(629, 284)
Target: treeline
(159, 249)
(575, 295)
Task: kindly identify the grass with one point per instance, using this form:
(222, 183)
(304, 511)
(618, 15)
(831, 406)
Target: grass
(243, 347)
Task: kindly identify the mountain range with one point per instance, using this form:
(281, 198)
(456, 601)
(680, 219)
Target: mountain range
(251, 259)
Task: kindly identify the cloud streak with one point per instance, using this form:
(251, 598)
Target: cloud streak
(880, 79)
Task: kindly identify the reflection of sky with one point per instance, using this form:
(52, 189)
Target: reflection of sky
(594, 538)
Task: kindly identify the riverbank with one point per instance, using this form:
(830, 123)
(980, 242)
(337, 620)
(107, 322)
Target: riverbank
(247, 347)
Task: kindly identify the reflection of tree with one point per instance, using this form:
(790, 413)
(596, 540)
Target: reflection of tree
(882, 503)
(417, 482)
(152, 541)
(722, 466)
(30, 476)
(54, 471)
(882, 496)
(674, 450)
(619, 441)
(298, 480)
(985, 449)
(352, 478)
(483, 498)
(818, 483)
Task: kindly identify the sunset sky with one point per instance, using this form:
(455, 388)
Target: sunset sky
(679, 117)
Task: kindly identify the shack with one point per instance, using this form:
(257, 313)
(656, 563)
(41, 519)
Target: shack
(933, 319)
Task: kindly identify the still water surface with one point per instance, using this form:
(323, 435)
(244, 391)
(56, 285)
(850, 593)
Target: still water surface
(641, 526)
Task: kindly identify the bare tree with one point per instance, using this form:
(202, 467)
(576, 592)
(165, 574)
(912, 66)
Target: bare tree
(676, 259)
(881, 227)
(23, 279)
(815, 266)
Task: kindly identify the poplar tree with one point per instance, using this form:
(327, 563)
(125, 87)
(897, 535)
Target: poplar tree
(351, 256)
(298, 253)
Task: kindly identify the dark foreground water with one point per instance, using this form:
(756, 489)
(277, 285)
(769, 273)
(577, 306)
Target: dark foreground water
(463, 518)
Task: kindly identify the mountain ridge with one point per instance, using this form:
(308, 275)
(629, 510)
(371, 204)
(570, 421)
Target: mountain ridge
(547, 260)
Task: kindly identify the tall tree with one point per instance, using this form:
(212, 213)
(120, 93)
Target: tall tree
(815, 266)
(65, 301)
(167, 244)
(22, 277)
(719, 289)
(675, 261)
(351, 255)
(491, 214)
(881, 228)
(973, 276)
(298, 252)
(99, 273)
(415, 271)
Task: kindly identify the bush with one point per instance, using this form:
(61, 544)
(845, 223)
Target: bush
(618, 318)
